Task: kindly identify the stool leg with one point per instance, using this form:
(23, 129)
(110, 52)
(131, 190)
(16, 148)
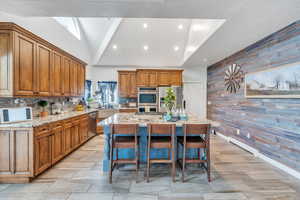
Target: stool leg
(111, 159)
(137, 162)
(183, 162)
(148, 160)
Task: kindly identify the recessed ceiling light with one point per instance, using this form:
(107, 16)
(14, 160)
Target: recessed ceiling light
(146, 47)
(199, 27)
(176, 48)
(191, 48)
(180, 26)
(114, 46)
(145, 25)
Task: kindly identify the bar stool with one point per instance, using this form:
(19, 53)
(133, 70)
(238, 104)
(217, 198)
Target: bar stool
(195, 142)
(165, 138)
(123, 142)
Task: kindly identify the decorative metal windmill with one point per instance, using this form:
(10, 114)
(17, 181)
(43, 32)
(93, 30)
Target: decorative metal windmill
(233, 78)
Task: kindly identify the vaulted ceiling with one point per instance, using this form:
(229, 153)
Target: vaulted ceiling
(120, 41)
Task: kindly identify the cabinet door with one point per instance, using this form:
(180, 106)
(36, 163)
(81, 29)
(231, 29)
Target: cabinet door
(44, 67)
(142, 78)
(42, 148)
(66, 74)
(176, 78)
(132, 88)
(5, 64)
(75, 134)
(67, 137)
(81, 79)
(124, 84)
(163, 78)
(84, 123)
(57, 76)
(73, 78)
(57, 143)
(152, 79)
(24, 66)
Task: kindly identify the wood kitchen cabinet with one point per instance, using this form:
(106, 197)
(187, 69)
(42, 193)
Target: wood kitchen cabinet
(33, 67)
(6, 48)
(146, 78)
(58, 74)
(66, 75)
(44, 70)
(156, 78)
(58, 139)
(127, 84)
(67, 137)
(163, 78)
(27, 152)
(75, 137)
(43, 149)
(25, 79)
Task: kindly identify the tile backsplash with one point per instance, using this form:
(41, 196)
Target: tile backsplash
(68, 102)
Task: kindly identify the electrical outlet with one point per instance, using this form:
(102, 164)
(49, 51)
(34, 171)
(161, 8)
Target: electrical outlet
(248, 136)
(238, 131)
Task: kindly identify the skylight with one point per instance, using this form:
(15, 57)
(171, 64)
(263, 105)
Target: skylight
(71, 24)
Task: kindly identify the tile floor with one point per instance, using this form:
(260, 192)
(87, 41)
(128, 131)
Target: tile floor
(237, 175)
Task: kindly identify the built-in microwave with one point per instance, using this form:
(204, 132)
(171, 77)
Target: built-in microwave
(147, 96)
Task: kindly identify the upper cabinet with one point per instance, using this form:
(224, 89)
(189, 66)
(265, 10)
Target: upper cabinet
(58, 76)
(146, 78)
(31, 66)
(24, 76)
(44, 70)
(127, 84)
(156, 78)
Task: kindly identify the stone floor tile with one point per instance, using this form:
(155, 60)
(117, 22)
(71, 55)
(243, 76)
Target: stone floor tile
(134, 197)
(68, 187)
(91, 196)
(225, 196)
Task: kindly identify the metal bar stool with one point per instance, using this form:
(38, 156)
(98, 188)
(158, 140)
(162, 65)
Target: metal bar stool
(197, 141)
(165, 139)
(123, 142)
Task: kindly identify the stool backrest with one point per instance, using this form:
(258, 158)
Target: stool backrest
(161, 129)
(131, 129)
(196, 129)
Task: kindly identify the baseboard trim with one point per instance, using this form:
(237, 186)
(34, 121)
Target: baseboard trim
(256, 153)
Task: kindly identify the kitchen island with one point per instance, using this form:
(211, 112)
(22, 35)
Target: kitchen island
(142, 121)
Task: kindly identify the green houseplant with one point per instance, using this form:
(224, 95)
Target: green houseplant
(169, 101)
(43, 104)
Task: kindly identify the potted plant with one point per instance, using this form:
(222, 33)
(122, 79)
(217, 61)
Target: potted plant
(169, 102)
(43, 104)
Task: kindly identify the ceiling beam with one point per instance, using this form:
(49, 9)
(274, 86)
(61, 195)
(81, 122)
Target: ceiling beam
(106, 41)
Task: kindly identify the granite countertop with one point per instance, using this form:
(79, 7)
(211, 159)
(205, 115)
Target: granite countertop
(38, 121)
(143, 120)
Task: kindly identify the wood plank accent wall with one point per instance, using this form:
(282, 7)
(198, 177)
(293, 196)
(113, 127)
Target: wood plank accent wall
(273, 124)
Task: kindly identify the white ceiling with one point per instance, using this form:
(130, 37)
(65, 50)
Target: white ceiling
(247, 21)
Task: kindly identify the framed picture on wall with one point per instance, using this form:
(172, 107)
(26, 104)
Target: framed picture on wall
(279, 82)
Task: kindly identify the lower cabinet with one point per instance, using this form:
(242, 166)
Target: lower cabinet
(57, 142)
(43, 150)
(67, 137)
(75, 134)
(54, 141)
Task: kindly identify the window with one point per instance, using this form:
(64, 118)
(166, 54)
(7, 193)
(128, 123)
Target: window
(71, 24)
(107, 94)
(88, 89)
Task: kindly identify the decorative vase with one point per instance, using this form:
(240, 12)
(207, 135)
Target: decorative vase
(44, 114)
(168, 117)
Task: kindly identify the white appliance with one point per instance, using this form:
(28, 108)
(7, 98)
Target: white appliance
(10, 115)
(162, 92)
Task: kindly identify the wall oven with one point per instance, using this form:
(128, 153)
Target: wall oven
(147, 99)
